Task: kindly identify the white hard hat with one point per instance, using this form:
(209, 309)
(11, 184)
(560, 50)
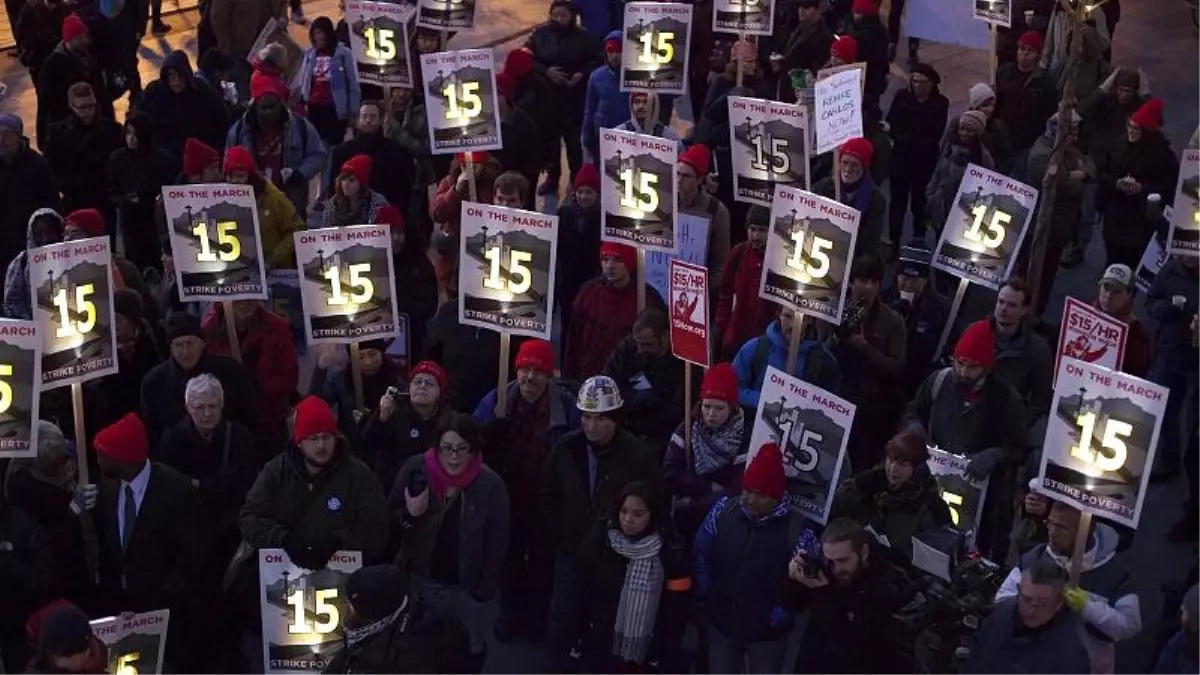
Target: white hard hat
(599, 394)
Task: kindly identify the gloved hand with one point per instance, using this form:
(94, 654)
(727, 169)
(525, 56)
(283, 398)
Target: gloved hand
(984, 462)
(1076, 598)
(84, 498)
(322, 549)
(293, 546)
(295, 180)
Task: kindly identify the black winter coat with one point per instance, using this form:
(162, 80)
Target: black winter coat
(163, 387)
(79, 155)
(60, 70)
(26, 185)
(807, 48)
(64, 533)
(573, 50)
(1152, 163)
(1173, 339)
(26, 572)
(872, 39)
(393, 172)
(579, 250)
(389, 445)
(416, 291)
(416, 642)
(37, 32)
(474, 353)
(916, 129)
(1024, 101)
(651, 414)
(196, 112)
(522, 149)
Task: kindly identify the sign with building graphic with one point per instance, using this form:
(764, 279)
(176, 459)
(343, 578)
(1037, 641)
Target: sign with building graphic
(963, 496)
(1184, 237)
(654, 53)
(985, 226)
(997, 12)
(456, 15)
(1100, 440)
(637, 189)
(347, 285)
(691, 339)
(506, 269)
(1090, 335)
(20, 387)
(71, 289)
(215, 243)
(808, 254)
(1153, 259)
(303, 610)
(811, 427)
(744, 17)
(379, 39)
(460, 101)
(769, 142)
(136, 644)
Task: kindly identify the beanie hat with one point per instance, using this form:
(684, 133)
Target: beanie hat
(435, 371)
(88, 220)
(721, 383)
(12, 123)
(376, 592)
(73, 27)
(33, 625)
(1031, 39)
(359, 166)
(506, 86)
(238, 158)
(865, 7)
(379, 345)
(263, 83)
(612, 42)
(1150, 115)
(973, 120)
(519, 62)
(1128, 77)
(476, 157)
(765, 473)
(127, 303)
(536, 354)
(928, 71)
(626, 254)
(313, 417)
(978, 95)
(908, 446)
(698, 157)
(860, 149)
(588, 176)
(182, 324)
(65, 631)
(390, 216)
(977, 345)
(198, 156)
(123, 441)
(845, 48)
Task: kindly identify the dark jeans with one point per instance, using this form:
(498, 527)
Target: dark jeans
(563, 634)
(325, 120)
(526, 582)
(908, 189)
(728, 656)
(1182, 380)
(893, 27)
(563, 129)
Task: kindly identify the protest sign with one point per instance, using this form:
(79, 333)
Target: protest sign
(946, 21)
(1184, 237)
(691, 233)
(1087, 334)
(637, 189)
(984, 227)
(215, 244)
(302, 610)
(769, 142)
(1100, 440)
(506, 269)
(964, 496)
(654, 53)
(809, 249)
(1153, 259)
(690, 337)
(135, 644)
(458, 15)
(996, 12)
(811, 427)
(20, 387)
(838, 101)
(379, 39)
(347, 285)
(71, 288)
(744, 17)
(460, 101)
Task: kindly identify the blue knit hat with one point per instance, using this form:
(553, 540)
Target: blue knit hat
(11, 122)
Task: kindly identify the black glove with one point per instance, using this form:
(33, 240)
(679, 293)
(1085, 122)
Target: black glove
(295, 180)
(293, 546)
(322, 549)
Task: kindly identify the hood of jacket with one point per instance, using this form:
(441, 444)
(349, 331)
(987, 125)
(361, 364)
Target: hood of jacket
(179, 62)
(1102, 546)
(651, 113)
(29, 243)
(295, 461)
(778, 341)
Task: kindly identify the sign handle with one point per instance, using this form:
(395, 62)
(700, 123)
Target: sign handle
(992, 53)
(1081, 540)
(81, 452)
(502, 378)
(443, 38)
(794, 343)
(235, 347)
(955, 305)
(837, 174)
(740, 61)
(470, 169)
(641, 280)
(687, 412)
(356, 371)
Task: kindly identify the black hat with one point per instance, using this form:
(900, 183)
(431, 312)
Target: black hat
(128, 304)
(65, 632)
(376, 592)
(808, 3)
(377, 345)
(758, 215)
(182, 324)
(914, 261)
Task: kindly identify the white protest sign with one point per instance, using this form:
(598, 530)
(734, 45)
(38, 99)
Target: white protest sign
(20, 387)
(1184, 236)
(654, 53)
(346, 283)
(1153, 259)
(379, 39)
(744, 17)
(692, 234)
(964, 496)
(135, 644)
(838, 101)
(215, 243)
(460, 101)
(769, 147)
(997, 12)
(458, 15)
(1087, 334)
(637, 189)
(302, 610)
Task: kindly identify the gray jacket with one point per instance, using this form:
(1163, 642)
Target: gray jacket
(1026, 363)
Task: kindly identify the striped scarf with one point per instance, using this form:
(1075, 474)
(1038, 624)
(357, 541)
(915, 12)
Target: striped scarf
(638, 607)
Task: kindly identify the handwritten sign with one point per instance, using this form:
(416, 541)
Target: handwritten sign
(215, 243)
(838, 100)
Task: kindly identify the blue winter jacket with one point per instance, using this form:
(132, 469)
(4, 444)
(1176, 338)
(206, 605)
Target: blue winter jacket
(606, 106)
(564, 416)
(303, 149)
(822, 373)
(597, 16)
(343, 80)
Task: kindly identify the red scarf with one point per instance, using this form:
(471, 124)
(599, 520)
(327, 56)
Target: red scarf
(439, 480)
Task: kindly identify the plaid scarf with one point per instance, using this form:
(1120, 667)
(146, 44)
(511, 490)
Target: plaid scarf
(714, 449)
(356, 636)
(638, 607)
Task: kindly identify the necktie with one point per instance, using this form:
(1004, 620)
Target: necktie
(129, 512)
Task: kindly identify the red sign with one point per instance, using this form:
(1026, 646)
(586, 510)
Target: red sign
(689, 312)
(1089, 335)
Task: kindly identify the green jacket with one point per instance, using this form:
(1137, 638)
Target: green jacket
(897, 514)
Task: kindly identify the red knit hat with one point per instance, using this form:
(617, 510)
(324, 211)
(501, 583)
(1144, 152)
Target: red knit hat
(359, 166)
(1150, 115)
(506, 86)
(865, 7)
(89, 220)
(73, 27)
(626, 254)
(238, 158)
(765, 473)
(123, 440)
(860, 149)
(612, 46)
(197, 156)
(433, 370)
(477, 157)
(845, 48)
(313, 417)
(262, 83)
(977, 345)
(519, 62)
(1031, 39)
(536, 354)
(390, 216)
(588, 176)
(721, 383)
(698, 157)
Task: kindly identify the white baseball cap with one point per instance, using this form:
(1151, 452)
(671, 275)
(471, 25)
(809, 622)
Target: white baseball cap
(1118, 274)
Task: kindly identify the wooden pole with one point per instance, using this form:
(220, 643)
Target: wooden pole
(81, 452)
(992, 53)
(356, 372)
(469, 167)
(1081, 541)
(641, 280)
(955, 305)
(740, 68)
(502, 378)
(794, 343)
(837, 174)
(687, 412)
(235, 347)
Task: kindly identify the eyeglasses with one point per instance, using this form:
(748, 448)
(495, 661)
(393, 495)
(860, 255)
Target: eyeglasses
(457, 450)
(424, 382)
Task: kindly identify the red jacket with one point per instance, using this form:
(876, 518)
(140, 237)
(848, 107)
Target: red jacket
(601, 316)
(741, 314)
(446, 208)
(267, 352)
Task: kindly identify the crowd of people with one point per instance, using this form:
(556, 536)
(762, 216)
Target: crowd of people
(603, 529)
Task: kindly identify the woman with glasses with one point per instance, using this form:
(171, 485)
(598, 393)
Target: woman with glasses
(406, 423)
(454, 514)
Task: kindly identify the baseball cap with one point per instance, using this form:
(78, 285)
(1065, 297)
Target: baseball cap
(914, 261)
(1119, 275)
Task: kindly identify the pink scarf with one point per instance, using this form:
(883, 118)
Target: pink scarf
(439, 480)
